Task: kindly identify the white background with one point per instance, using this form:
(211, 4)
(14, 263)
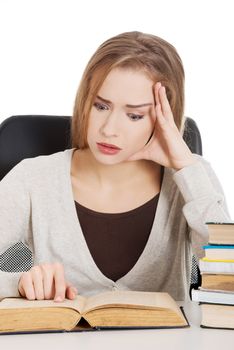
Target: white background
(45, 45)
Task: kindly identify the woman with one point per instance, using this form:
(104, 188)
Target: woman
(123, 208)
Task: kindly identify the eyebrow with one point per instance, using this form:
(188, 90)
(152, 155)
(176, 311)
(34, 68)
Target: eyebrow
(127, 105)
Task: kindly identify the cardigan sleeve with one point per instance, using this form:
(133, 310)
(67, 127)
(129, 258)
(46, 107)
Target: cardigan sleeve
(204, 201)
(14, 222)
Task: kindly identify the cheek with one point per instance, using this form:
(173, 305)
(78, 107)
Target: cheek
(146, 132)
(92, 127)
(138, 139)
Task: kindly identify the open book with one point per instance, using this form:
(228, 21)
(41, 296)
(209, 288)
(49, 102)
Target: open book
(116, 309)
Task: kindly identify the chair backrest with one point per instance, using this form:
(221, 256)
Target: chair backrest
(27, 136)
(192, 136)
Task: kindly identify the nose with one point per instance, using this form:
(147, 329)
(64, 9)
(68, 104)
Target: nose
(110, 125)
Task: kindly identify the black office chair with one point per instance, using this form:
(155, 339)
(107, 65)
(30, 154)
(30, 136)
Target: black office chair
(27, 136)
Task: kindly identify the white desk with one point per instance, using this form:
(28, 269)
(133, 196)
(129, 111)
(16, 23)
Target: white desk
(191, 338)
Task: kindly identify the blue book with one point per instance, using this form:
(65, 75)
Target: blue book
(218, 246)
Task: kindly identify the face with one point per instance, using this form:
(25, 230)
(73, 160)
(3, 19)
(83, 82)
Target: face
(117, 119)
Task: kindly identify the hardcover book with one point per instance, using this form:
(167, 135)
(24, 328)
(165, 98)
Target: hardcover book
(222, 282)
(221, 233)
(217, 316)
(216, 266)
(215, 297)
(225, 252)
(108, 310)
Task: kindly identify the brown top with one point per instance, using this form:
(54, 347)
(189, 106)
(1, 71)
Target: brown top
(116, 240)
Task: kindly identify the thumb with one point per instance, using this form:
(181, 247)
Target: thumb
(137, 156)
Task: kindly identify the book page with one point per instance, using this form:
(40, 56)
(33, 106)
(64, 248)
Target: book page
(15, 303)
(221, 232)
(132, 299)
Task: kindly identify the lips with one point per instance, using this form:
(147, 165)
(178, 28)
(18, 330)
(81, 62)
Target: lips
(108, 149)
(108, 145)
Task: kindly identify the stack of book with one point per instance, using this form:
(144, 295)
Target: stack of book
(216, 294)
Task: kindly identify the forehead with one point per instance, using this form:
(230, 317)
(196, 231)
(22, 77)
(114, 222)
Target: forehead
(131, 86)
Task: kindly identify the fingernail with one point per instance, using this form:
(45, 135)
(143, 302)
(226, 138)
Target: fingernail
(58, 298)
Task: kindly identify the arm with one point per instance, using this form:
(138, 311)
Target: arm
(14, 221)
(45, 281)
(202, 192)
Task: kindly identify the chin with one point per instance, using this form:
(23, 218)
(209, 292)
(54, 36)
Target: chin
(107, 159)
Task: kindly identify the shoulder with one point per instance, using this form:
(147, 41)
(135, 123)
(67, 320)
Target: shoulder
(47, 162)
(41, 169)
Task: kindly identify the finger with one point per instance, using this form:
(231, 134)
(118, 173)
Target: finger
(26, 288)
(48, 281)
(134, 157)
(59, 282)
(157, 87)
(37, 280)
(71, 292)
(160, 116)
(158, 108)
(165, 105)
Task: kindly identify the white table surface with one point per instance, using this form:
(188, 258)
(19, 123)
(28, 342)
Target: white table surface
(190, 338)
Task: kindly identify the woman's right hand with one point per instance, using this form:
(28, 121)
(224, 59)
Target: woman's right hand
(46, 281)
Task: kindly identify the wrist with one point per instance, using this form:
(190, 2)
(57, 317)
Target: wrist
(190, 161)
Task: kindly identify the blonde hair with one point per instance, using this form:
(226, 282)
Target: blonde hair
(135, 50)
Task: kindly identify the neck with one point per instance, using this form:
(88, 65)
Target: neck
(112, 176)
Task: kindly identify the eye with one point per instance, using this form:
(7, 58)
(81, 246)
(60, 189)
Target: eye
(135, 117)
(100, 106)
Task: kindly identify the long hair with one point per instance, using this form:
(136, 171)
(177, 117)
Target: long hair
(136, 50)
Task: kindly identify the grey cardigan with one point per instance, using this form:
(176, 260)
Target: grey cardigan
(37, 208)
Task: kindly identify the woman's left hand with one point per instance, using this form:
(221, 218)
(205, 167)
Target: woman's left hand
(166, 146)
